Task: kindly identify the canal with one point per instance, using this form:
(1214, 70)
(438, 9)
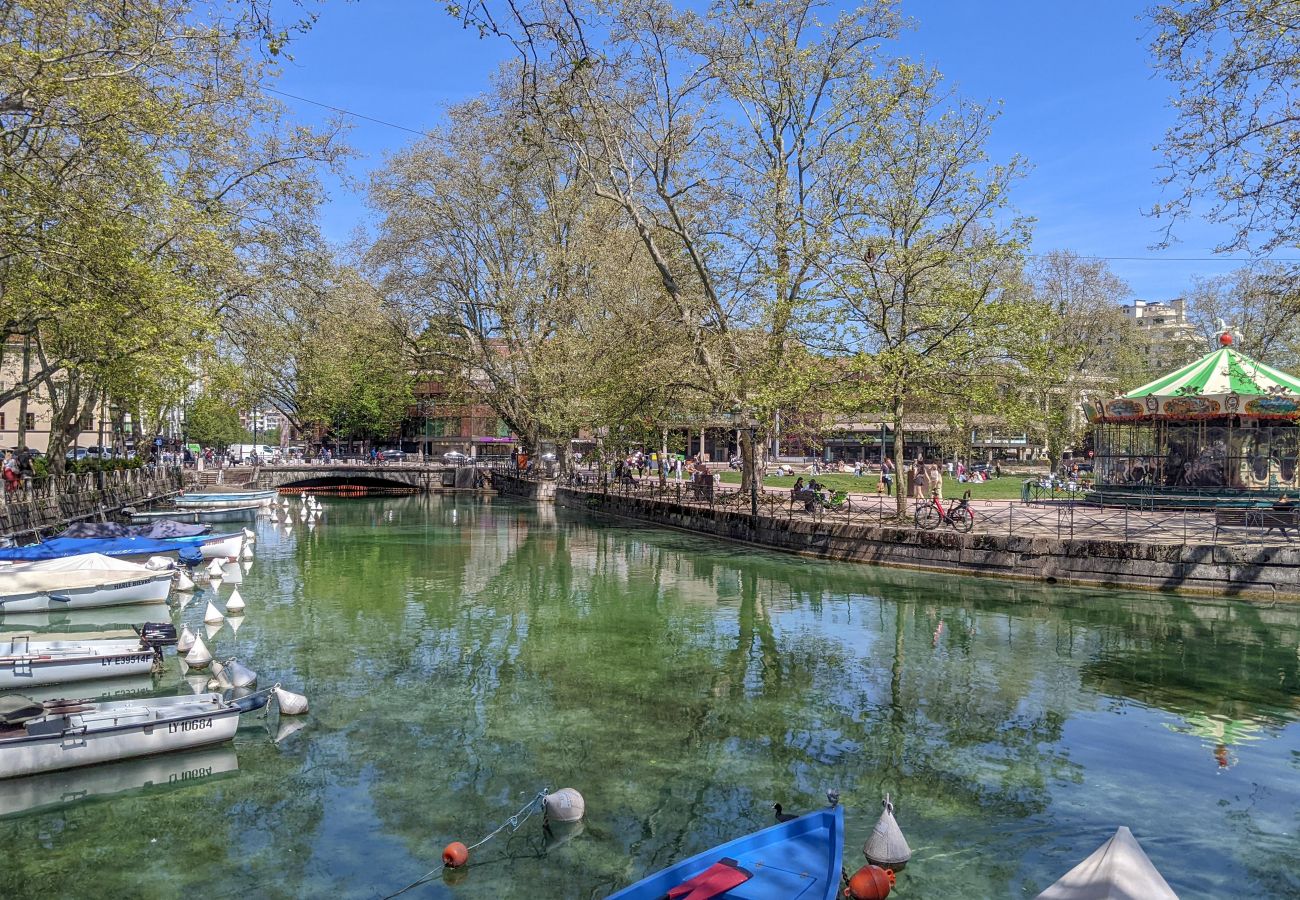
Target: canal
(462, 654)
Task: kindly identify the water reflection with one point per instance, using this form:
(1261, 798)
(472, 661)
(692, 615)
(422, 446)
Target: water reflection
(462, 654)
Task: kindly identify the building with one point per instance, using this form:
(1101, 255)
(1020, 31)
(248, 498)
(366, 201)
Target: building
(1170, 336)
(38, 413)
(441, 422)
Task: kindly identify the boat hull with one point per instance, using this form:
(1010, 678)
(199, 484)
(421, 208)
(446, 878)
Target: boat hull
(152, 589)
(197, 516)
(224, 501)
(121, 730)
(225, 548)
(56, 662)
(796, 860)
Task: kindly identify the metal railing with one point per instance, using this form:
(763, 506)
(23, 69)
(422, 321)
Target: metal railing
(1068, 520)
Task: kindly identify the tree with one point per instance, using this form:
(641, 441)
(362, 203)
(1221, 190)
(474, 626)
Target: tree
(1260, 301)
(517, 279)
(1079, 345)
(1235, 65)
(212, 421)
(927, 261)
(134, 198)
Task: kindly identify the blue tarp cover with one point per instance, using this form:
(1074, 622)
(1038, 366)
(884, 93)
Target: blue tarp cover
(56, 548)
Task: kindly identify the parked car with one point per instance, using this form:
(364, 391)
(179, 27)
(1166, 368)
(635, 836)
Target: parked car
(77, 454)
(455, 457)
(391, 455)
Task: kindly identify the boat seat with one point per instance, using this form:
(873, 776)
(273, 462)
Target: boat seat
(714, 881)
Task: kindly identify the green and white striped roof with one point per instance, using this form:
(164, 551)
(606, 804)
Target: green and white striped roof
(1223, 371)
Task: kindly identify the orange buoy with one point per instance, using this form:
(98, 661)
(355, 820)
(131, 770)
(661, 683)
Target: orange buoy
(455, 855)
(870, 883)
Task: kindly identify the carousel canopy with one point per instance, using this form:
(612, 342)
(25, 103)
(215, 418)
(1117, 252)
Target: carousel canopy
(1223, 382)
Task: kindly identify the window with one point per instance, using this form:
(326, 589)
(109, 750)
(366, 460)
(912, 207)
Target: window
(2, 421)
(87, 422)
(31, 421)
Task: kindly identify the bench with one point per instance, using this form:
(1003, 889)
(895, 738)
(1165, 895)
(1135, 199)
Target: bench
(1267, 519)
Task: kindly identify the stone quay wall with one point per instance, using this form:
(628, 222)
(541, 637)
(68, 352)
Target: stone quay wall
(510, 485)
(1242, 571)
(50, 504)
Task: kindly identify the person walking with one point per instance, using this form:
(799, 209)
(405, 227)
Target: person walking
(934, 475)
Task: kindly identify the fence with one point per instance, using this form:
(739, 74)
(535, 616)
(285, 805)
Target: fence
(42, 503)
(1065, 520)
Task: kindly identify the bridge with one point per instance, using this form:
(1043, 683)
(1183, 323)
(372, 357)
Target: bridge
(422, 477)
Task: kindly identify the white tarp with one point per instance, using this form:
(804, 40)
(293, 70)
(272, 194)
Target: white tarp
(1117, 870)
(87, 570)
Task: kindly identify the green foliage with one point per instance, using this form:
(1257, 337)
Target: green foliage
(213, 421)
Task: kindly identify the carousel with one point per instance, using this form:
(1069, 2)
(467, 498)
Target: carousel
(1223, 428)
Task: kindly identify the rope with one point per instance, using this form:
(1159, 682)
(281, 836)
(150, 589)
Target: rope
(512, 823)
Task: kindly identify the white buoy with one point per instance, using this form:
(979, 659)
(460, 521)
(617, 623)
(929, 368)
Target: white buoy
(184, 582)
(220, 677)
(212, 615)
(198, 656)
(565, 805)
(302, 513)
(214, 568)
(250, 535)
(247, 552)
(291, 704)
(274, 518)
(185, 641)
(887, 847)
(236, 603)
(240, 675)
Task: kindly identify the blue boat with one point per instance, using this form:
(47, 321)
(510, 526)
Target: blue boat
(801, 859)
(132, 548)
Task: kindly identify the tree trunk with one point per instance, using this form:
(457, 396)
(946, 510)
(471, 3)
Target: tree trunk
(900, 477)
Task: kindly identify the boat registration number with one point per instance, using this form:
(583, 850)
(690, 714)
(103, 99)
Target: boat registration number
(189, 725)
(116, 661)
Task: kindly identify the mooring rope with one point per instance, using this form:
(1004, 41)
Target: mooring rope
(513, 823)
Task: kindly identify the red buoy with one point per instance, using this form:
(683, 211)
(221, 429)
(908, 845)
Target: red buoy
(1225, 339)
(455, 855)
(870, 883)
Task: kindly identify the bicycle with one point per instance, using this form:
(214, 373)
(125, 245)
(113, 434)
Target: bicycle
(958, 516)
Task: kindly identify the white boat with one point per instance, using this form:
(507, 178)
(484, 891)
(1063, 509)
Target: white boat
(213, 500)
(24, 662)
(1117, 869)
(65, 734)
(79, 582)
(225, 546)
(196, 516)
(55, 789)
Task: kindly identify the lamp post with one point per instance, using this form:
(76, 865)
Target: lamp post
(752, 462)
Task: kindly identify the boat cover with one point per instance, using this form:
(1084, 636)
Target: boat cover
(65, 573)
(156, 530)
(15, 710)
(1117, 870)
(126, 546)
(719, 878)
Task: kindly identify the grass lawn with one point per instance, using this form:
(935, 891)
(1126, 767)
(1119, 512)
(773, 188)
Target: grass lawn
(1005, 488)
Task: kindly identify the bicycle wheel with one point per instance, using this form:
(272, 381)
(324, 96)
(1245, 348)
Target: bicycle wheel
(962, 518)
(927, 517)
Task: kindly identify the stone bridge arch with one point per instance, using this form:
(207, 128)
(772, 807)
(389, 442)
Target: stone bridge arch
(335, 477)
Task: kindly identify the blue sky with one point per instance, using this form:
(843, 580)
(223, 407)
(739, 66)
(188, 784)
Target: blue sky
(1080, 103)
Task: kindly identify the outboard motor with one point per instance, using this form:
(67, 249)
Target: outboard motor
(156, 635)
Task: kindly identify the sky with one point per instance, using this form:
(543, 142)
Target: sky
(1080, 102)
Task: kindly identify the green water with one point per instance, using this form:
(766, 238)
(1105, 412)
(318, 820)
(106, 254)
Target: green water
(461, 654)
